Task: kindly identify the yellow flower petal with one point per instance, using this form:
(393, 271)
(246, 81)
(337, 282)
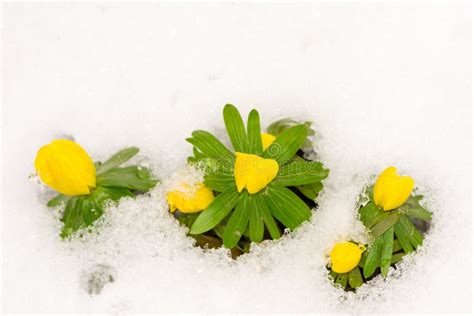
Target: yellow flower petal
(267, 140)
(190, 199)
(253, 172)
(345, 256)
(392, 190)
(65, 167)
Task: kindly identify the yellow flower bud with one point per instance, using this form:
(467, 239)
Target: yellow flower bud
(345, 256)
(190, 199)
(65, 167)
(267, 140)
(253, 172)
(392, 190)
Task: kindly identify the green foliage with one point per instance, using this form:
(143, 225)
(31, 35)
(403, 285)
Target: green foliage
(113, 183)
(240, 218)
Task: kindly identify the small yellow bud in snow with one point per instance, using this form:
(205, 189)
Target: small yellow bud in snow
(190, 199)
(65, 167)
(392, 190)
(345, 256)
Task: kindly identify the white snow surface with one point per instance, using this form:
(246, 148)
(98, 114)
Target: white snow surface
(384, 84)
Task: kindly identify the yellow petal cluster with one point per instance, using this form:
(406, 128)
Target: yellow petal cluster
(190, 199)
(253, 172)
(392, 190)
(267, 140)
(345, 256)
(65, 167)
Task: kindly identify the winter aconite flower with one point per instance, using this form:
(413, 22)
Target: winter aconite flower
(267, 140)
(253, 172)
(64, 166)
(392, 190)
(345, 256)
(190, 199)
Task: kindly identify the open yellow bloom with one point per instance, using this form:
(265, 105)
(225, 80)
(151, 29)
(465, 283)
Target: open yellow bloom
(345, 256)
(67, 168)
(267, 140)
(253, 172)
(190, 199)
(392, 190)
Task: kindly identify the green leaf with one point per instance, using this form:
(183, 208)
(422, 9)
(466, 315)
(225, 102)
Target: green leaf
(83, 211)
(403, 237)
(416, 239)
(117, 159)
(286, 206)
(300, 173)
(312, 190)
(219, 182)
(355, 278)
(132, 177)
(385, 224)
(254, 133)
(268, 219)
(413, 209)
(342, 279)
(397, 257)
(368, 213)
(278, 127)
(237, 223)
(387, 249)
(285, 146)
(210, 146)
(57, 200)
(396, 246)
(215, 212)
(373, 257)
(256, 224)
(235, 128)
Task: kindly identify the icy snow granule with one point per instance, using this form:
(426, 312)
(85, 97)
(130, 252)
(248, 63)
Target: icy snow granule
(385, 84)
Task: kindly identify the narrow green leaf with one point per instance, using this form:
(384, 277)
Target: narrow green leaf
(215, 212)
(342, 279)
(403, 238)
(254, 133)
(387, 249)
(286, 206)
(268, 219)
(373, 257)
(235, 128)
(132, 177)
(311, 191)
(368, 213)
(285, 146)
(256, 225)
(397, 257)
(58, 199)
(382, 226)
(237, 223)
(396, 245)
(117, 159)
(413, 208)
(72, 218)
(210, 146)
(219, 182)
(355, 278)
(416, 239)
(299, 173)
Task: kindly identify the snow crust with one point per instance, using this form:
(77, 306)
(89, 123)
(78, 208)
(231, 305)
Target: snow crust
(384, 84)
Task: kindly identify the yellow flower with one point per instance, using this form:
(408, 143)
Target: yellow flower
(267, 140)
(64, 166)
(345, 256)
(190, 199)
(392, 190)
(253, 172)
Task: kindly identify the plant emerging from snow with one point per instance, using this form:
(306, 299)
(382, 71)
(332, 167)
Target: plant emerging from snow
(262, 187)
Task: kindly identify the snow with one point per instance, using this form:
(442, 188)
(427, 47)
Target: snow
(385, 84)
